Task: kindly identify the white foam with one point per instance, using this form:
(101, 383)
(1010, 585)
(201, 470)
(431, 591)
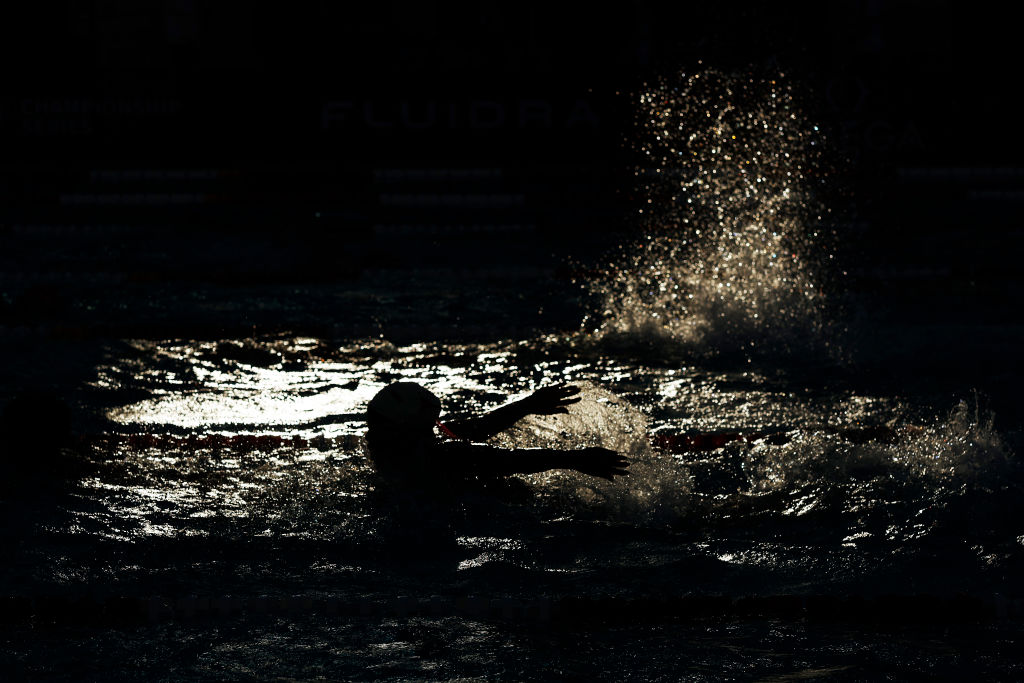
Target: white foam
(950, 452)
(657, 490)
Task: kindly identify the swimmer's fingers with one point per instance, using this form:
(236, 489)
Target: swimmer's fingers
(620, 468)
(604, 463)
(553, 400)
(567, 394)
(567, 391)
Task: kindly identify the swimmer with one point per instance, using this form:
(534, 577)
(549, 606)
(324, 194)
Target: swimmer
(404, 446)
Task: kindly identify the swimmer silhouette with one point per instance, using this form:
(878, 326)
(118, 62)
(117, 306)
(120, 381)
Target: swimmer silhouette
(404, 446)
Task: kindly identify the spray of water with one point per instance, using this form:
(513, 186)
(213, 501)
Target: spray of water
(958, 449)
(810, 467)
(657, 490)
(730, 259)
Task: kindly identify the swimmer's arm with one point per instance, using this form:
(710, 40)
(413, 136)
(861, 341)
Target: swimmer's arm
(481, 460)
(546, 401)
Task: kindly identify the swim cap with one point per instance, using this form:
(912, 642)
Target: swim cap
(405, 404)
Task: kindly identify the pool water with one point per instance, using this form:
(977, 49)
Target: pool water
(236, 471)
(813, 493)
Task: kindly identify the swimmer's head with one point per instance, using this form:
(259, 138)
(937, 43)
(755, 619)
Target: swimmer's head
(404, 406)
(401, 420)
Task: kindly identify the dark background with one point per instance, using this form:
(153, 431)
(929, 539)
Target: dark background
(430, 171)
(183, 168)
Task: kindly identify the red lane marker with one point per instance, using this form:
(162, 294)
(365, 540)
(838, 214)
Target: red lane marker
(685, 443)
(447, 432)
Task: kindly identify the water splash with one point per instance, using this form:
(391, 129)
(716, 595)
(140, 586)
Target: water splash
(657, 489)
(952, 451)
(731, 256)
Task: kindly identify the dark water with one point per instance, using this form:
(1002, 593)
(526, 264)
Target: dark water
(234, 471)
(847, 507)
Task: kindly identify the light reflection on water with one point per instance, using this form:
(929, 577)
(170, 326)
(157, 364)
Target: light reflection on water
(323, 479)
(252, 481)
(258, 403)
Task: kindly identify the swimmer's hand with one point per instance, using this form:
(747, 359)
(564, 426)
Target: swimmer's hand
(600, 462)
(550, 400)
(546, 401)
